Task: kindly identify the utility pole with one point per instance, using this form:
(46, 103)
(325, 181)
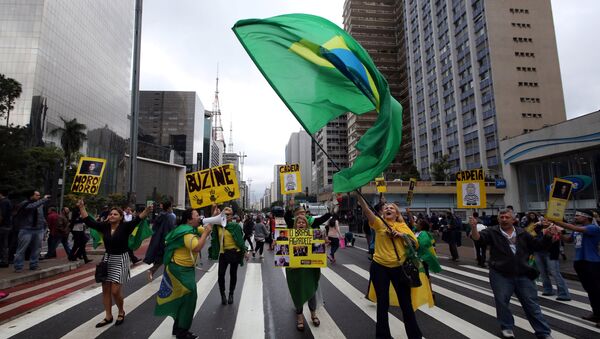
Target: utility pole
(135, 98)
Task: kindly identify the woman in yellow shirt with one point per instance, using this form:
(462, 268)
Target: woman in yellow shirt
(386, 268)
(177, 294)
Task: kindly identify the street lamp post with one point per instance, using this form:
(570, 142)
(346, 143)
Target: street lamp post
(135, 98)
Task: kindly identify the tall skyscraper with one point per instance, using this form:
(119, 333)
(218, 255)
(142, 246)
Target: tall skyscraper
(173, 119)
(480, 71)
(378, 26)
(334, 140)
(298, 151)
(73, 60)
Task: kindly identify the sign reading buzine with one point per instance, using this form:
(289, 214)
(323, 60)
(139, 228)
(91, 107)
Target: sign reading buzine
(89, 175)
(213, 185)
(470, 189)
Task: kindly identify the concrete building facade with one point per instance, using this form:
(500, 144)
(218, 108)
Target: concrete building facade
(298, 151)
(480, 71)
(334, 140)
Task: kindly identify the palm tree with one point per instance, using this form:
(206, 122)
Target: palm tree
(72, 136)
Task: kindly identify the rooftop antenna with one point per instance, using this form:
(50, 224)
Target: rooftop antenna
(230, 145)
(217, 129)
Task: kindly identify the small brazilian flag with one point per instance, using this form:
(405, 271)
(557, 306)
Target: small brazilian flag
(140, 232)
(320, 72)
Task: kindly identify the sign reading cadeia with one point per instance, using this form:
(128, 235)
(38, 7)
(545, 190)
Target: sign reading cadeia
(470, 189)
(290, 179)
(213, 185)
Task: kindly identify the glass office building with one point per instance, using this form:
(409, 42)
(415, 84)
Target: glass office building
(73, 60)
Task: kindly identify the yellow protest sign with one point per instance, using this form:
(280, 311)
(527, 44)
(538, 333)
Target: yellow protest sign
(290, 180)
(380, 184)
(559, 198)
(89, 175)
(470, 189)
(411, 189)
(300, 248)
(213, 185)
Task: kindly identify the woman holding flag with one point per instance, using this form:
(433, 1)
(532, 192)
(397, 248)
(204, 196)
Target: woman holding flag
(177, 294)
(390, 254)
(115, 233)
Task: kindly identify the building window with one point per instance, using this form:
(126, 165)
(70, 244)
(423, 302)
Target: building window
(525, 54)
(519, 11)
(526, 69)
(521, 39)
(520, 25)
(530, 100)
(528, 84)
(531, 115)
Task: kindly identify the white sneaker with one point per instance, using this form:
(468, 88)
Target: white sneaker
(508, 334)
(262, 256)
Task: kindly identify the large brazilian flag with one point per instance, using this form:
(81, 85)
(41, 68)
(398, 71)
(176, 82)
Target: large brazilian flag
(320, 72)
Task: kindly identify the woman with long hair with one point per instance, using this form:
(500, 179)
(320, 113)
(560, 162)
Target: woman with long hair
(303, 284)
(228, 246)
(115, 233)
(390, 254)
(333, 237)
(181, 252)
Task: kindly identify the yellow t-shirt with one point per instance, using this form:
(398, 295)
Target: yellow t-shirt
(384, 249)
(183, 255)
(228, 242)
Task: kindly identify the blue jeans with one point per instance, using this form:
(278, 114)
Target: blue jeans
(549, 267)
(503, 288)
(28, 238)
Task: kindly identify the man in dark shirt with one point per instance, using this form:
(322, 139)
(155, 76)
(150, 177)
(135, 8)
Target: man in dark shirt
(510, 272)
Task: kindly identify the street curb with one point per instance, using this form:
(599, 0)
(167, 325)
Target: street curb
(30, 276)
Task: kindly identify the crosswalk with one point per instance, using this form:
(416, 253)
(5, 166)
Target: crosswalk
(263, 307)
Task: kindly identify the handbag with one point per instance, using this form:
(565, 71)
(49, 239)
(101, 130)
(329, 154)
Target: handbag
(101, 272)
(410, 268)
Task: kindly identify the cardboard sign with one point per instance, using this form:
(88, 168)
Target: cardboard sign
(297, 248)
(380, 184)
(559, 198)
(290, 179)
(213, 185)
(470, 189)
(411, 189)
(89, 175)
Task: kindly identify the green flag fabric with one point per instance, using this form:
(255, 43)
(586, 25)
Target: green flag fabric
(97, 238)
(320, 72)
(140, 232)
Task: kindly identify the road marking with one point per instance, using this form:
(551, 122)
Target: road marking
(29, 320)
(88, 329)
(485, 270)
(250, 313)
(559, 315)
(203, 286)
(49, 283)
(20, 303)
(358, 298)
(447, 318)
(573, 303)
(360, 248)
(328, 327)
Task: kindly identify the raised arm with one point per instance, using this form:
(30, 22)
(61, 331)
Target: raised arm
(474, 232)
(367, 210)
(575, 228)
(89, 222)
(202, 240)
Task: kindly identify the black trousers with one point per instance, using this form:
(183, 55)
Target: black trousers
(79, 241)
(259, 246)
(480, 253)
(228, 258)
(589, 275)
(381, 276)
(248, 237)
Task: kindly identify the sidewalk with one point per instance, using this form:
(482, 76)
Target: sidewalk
(55, 266)
(466, 254)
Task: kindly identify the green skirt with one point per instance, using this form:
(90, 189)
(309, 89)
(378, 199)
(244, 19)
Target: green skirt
(302, 283)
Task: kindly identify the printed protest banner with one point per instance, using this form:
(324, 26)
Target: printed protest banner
(559, 198)
(290, 179)
(300, 248)
(411, 190)
(470, 189)
(89, 175)
(213, 185)
(380, 184)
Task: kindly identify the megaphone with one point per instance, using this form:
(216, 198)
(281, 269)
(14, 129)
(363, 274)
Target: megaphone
(217, 219)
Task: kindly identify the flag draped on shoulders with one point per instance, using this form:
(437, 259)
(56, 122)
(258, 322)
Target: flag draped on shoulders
(320, 72)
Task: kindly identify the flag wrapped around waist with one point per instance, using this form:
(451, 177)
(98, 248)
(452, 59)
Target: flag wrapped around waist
(419, 296)
(177, 294)
(302, 283)
(320, 72)
(140, 232)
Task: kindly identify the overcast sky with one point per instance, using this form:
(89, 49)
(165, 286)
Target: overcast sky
(184, 40)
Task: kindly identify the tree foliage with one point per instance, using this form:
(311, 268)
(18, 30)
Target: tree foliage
(72, 136)
(10, 90)
(411, 172)
(440, 169)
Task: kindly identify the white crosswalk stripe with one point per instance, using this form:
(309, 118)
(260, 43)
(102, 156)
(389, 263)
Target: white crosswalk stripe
(84, 273)
(250, 311)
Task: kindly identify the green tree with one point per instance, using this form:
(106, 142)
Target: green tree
(10, 90)
(440, 169)
(411, 172)
(72, 136)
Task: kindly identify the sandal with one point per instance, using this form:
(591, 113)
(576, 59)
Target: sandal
(104, 322)
(300, 324)
(120, 319)
(315, 320)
